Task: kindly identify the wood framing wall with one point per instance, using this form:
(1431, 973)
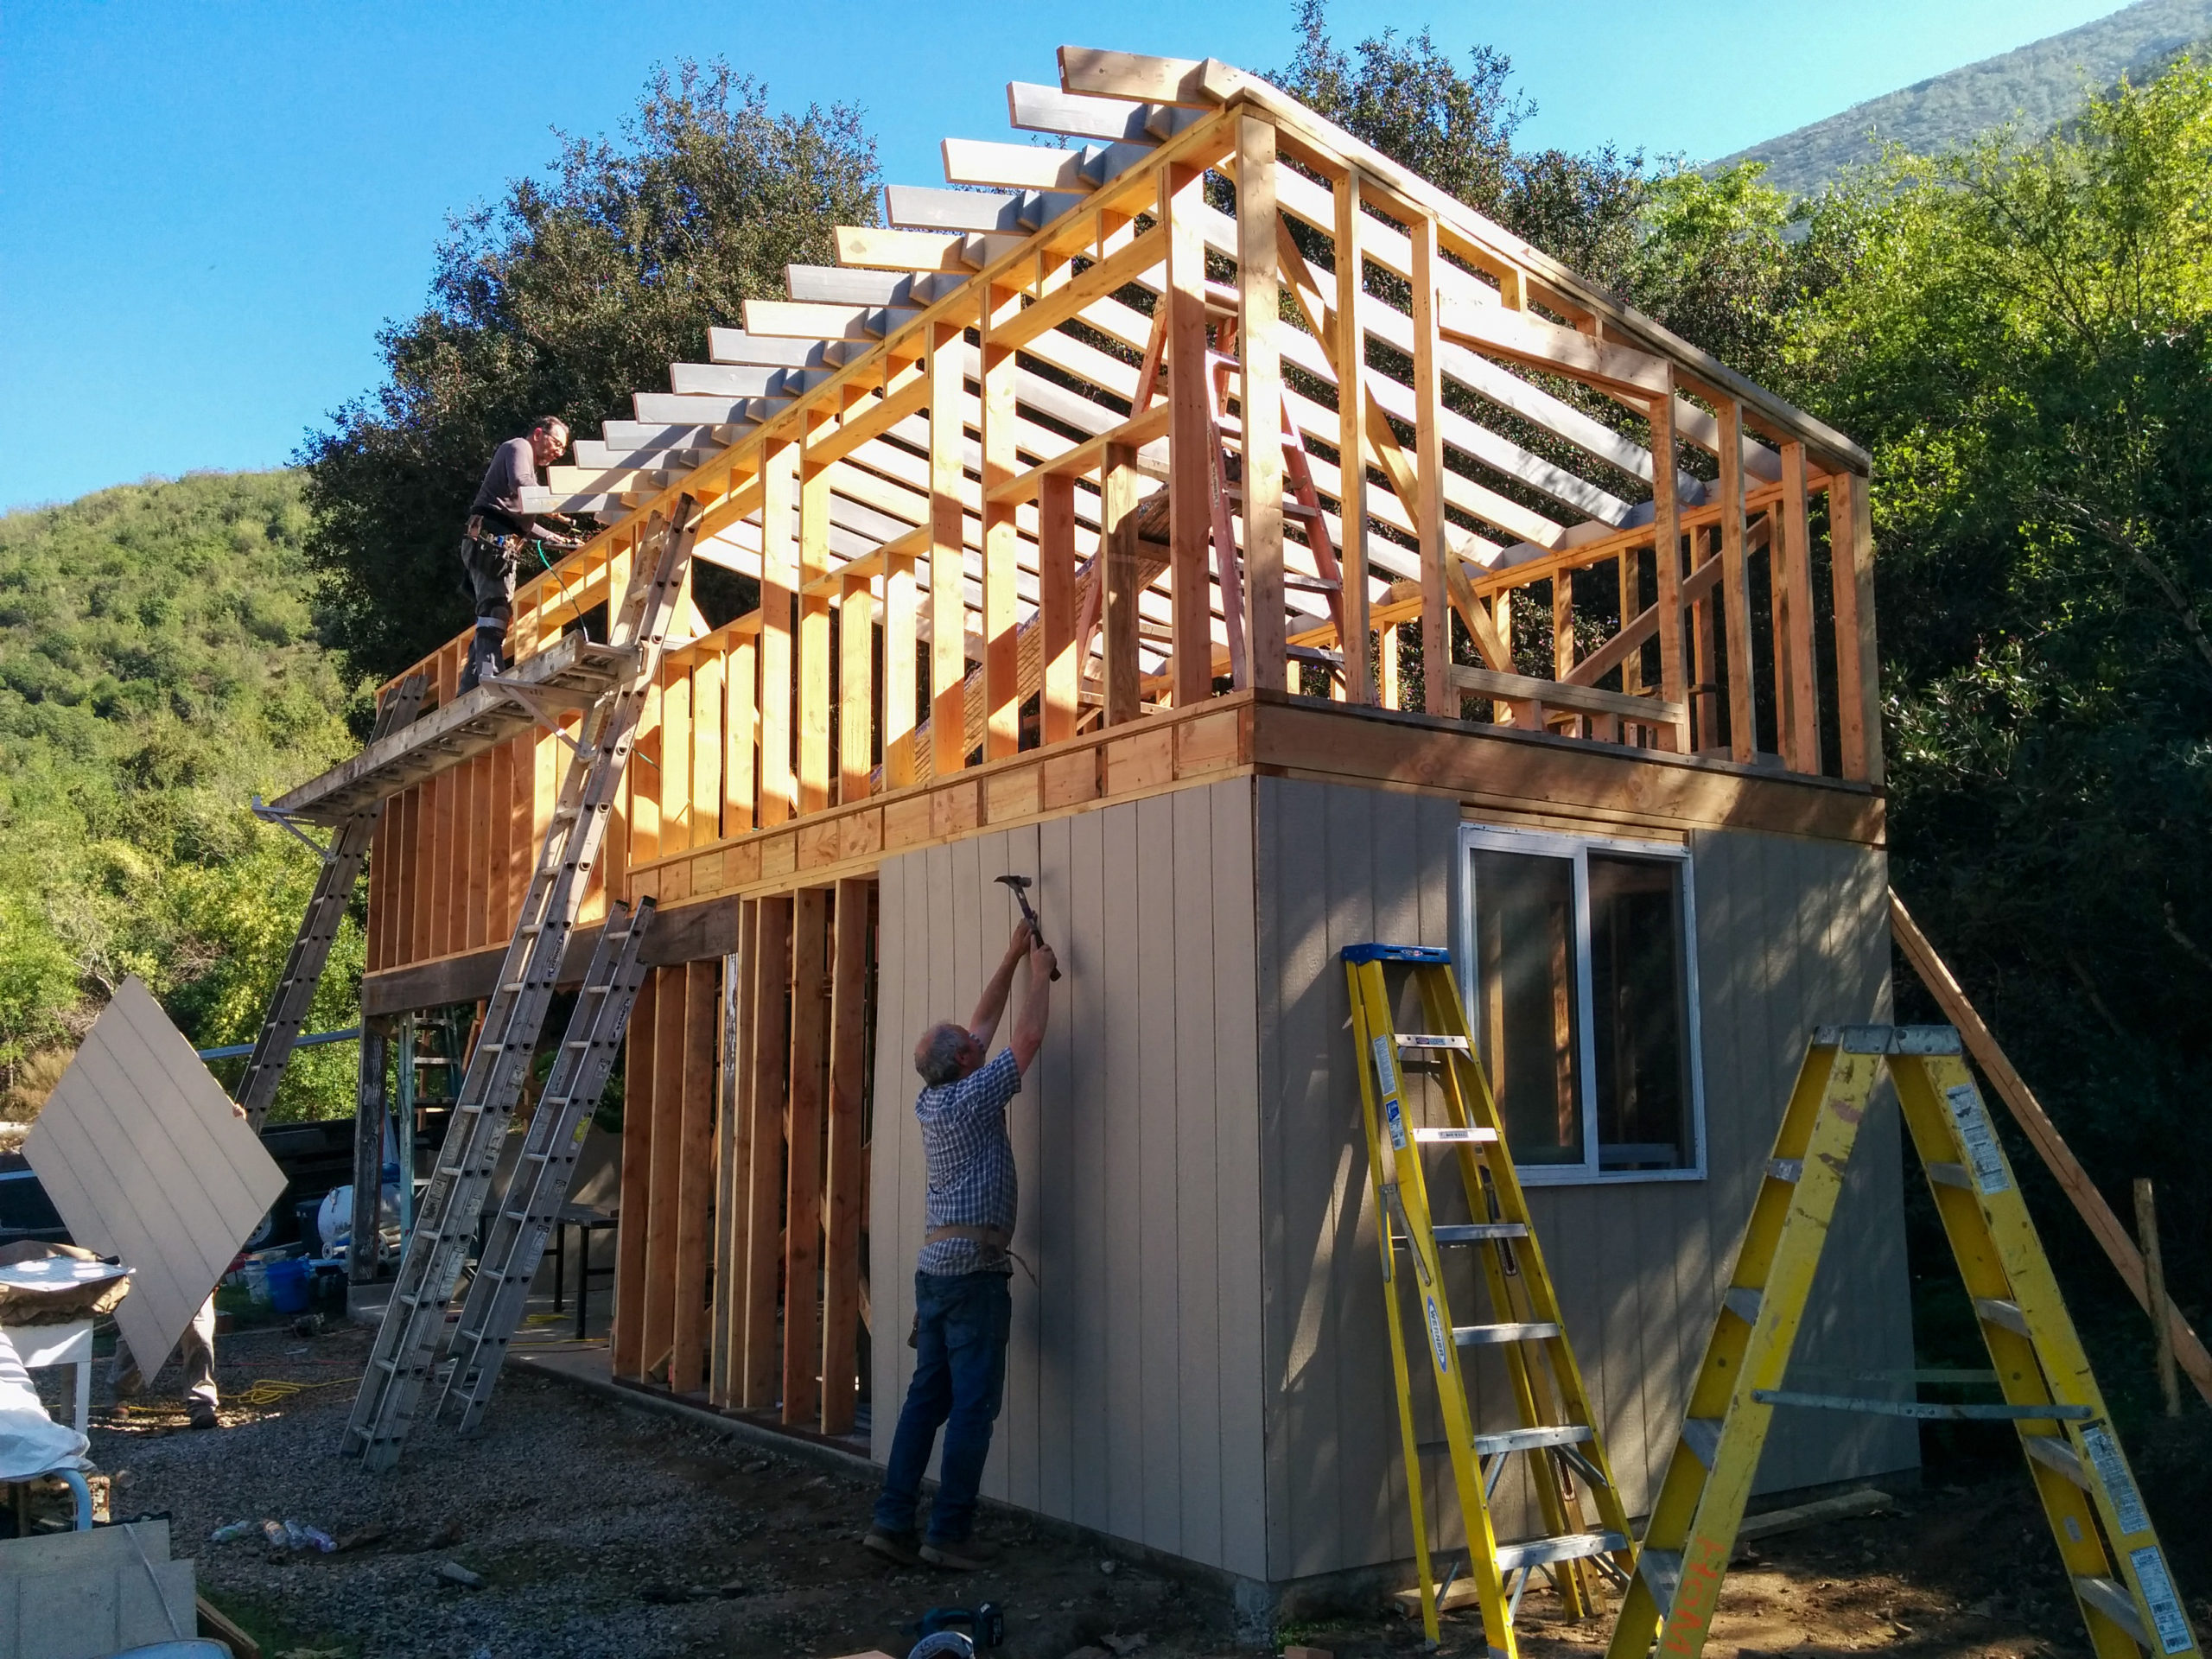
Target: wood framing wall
(969, 550)
(1135, 1392)
(1791, 933)
(739, 1270)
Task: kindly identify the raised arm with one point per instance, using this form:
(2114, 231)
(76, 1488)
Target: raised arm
(1029, 1029)
(991, 1006)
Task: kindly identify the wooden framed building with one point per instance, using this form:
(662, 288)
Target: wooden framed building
(1526, 628)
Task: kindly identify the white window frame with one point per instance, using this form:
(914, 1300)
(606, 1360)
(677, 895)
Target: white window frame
(1577, 850)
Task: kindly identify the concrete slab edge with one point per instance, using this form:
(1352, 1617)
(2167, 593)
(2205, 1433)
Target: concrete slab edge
(756, 1434)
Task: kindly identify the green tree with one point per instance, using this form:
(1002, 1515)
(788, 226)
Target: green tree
(2023, 336)
(565, 298)
(1708, 257)
(159, 669)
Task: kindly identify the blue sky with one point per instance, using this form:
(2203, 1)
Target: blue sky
(207, 210)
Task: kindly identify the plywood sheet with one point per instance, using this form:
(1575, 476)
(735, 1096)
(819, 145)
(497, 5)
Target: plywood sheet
(79, 1595)
(141, 1154)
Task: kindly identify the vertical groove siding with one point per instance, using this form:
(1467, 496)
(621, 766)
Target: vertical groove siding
(1134, 1373)
(1791, 933)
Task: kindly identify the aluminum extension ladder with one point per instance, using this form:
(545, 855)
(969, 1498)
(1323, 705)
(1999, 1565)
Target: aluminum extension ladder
(2117, 1572)
(1553, 1427)
(405, 1350)
(539, 1185)
(310, 953)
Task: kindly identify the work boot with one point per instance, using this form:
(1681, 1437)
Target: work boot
(960, 1555)
(201, 1413)
(487, 650)
(893, 1545)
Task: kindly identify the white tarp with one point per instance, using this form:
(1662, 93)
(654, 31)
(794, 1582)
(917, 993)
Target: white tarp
(31, 1443)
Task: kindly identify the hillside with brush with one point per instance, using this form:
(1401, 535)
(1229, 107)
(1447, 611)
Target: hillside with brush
(159, 667)
(2036, 89)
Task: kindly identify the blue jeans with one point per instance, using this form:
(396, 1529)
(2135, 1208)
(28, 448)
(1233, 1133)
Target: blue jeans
(959, 1379)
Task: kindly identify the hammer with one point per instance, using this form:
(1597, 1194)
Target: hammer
(1020, 884)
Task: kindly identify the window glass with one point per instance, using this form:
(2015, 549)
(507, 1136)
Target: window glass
(1639, 1013)
(1526, 1016)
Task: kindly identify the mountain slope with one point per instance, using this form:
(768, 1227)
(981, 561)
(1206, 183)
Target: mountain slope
(2038, 85)
(159, 666)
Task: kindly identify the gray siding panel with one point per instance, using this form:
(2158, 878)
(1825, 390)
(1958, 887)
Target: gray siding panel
(1205, 1370)
(1133, 1375)
(1790, 933)
(1199, 1288)
(1236, 1219)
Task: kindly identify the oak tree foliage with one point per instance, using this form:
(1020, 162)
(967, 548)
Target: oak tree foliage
(565, 296)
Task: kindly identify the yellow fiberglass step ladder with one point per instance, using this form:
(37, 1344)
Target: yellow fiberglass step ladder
(2117, 1571)
(333, 891)
(1553, 1426)
(405, 1351)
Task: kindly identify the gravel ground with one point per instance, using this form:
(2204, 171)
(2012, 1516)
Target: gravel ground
(596, 1529)
(601, 1529)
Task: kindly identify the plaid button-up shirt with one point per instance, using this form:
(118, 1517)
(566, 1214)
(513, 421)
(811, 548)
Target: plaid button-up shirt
(970, 1160)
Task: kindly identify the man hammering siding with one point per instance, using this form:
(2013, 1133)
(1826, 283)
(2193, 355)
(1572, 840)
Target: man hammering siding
(962, 1307)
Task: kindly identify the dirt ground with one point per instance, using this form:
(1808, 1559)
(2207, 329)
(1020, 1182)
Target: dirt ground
(598, 1529)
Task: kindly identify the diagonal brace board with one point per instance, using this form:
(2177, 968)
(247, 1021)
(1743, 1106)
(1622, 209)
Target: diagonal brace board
(414, 1320)
(310, 954)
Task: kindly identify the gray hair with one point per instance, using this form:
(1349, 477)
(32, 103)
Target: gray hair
(937, 1056)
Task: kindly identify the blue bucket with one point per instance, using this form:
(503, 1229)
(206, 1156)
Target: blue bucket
(289, 1285)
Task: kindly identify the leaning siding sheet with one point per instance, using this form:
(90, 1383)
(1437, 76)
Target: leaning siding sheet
(143, 1157)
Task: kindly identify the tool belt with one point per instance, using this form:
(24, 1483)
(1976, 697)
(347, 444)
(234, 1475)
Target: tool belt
(991, 1238)
(481, 531)
(995, 1239)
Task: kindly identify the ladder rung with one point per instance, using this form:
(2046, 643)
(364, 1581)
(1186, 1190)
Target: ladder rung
(1530, 1440)
(1477, 1232)
(1422, 1039)
(2053, 1451)
(2111, 1599)
(1703, 1436)
(1950, 1175)
(1743, 1303)
(1448, 1137)
(1661, 1570)
(1568, 1547)
(1487, 1335)
(1995, 1311)
(1786, 1169)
